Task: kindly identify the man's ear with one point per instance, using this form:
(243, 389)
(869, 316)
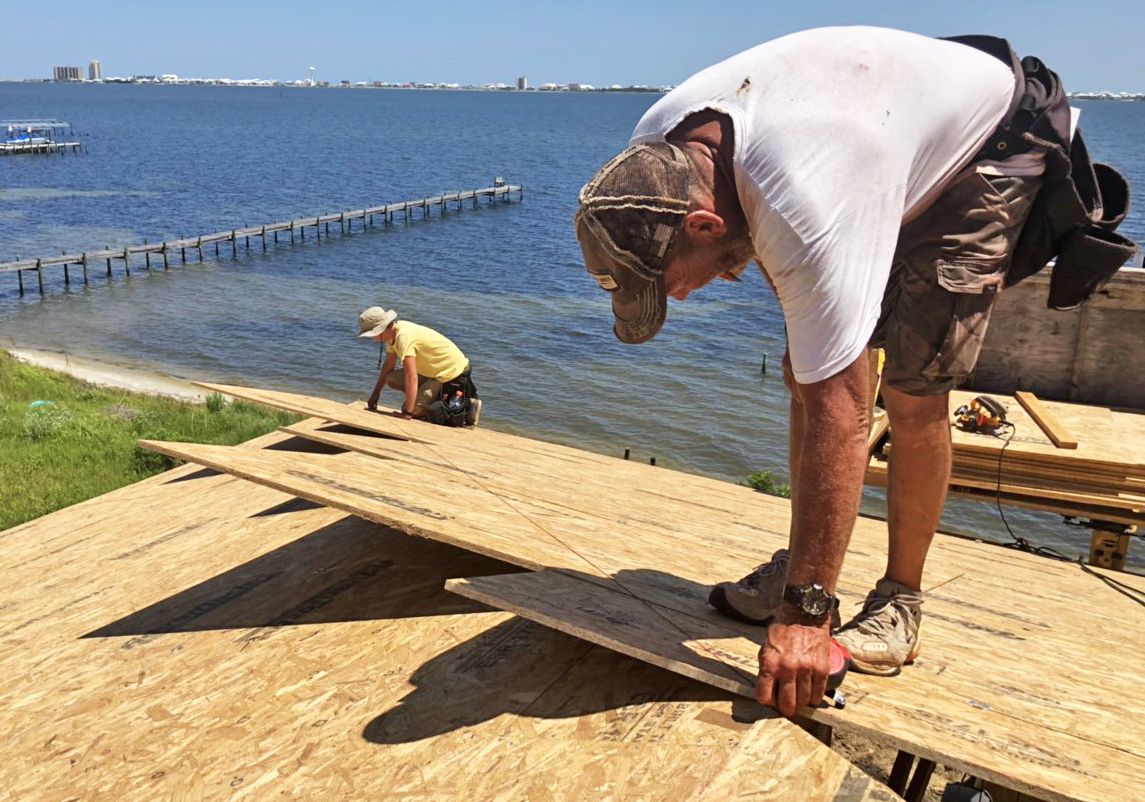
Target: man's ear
(704, 226)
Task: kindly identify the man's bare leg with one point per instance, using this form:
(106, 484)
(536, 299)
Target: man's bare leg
(919, 475)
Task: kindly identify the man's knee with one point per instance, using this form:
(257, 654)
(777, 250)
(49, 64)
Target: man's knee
(910, 412)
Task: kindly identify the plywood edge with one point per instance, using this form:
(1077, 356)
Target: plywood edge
(220, 459)
(1045, 419)
(348, 414)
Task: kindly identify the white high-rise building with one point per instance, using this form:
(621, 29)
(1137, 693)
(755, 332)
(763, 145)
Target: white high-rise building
(95, 70)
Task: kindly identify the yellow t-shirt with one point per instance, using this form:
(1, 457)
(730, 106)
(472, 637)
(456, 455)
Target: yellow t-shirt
(435, 354)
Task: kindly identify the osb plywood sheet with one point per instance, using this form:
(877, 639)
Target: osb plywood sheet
(197, 637)
(1008, 727)
(991, 613)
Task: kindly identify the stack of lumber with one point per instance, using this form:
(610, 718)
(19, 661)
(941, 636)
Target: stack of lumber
(1101, 479)
(622, 555)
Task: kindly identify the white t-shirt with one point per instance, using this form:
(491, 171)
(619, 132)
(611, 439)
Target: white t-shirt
(841, 134)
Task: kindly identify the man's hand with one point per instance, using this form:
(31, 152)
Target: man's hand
(793, 665)
(372, 403)
(401, 413)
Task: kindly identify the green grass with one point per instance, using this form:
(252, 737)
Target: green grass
(80, 441)
(764, 482)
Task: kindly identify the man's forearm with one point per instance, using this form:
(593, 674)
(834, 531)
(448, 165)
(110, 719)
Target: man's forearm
(831, 459)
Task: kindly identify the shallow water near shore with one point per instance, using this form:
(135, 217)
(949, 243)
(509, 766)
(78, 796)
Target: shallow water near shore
(504, 282)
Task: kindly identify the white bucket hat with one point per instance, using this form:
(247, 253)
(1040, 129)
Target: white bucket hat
(375, 320)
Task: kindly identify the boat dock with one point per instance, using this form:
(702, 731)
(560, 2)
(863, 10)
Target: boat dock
(270, 620)
(36, 136)
(265, 235)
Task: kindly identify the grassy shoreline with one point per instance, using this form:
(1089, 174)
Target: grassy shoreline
(63, 440)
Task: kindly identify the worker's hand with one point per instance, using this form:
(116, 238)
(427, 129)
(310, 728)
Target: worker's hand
(793, 665)
(372, 403)
(401, 413)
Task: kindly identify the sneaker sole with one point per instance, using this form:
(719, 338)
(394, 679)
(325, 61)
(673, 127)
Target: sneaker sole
(882, 669)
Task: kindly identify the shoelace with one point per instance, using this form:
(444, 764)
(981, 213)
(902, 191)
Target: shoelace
(867, 623)
(756, 577)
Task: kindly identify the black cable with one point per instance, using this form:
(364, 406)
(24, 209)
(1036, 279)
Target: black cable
(1019, 543)
(1125, 590)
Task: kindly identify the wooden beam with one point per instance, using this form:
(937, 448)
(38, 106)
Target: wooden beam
(1045, 420)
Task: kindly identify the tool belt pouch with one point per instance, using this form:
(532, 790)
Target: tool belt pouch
(1080, 203)
(1091, 254)
(452, 407)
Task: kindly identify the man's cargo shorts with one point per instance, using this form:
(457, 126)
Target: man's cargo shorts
(947, 271)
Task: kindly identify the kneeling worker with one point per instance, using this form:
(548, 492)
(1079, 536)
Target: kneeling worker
(433, 370)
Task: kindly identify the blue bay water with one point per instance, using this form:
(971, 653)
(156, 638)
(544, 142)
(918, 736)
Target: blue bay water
(504, 282)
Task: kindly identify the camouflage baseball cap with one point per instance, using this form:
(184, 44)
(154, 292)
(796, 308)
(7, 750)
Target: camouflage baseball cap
(628, 218)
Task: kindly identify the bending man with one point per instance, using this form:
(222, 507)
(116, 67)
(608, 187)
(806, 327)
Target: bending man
(849, 163)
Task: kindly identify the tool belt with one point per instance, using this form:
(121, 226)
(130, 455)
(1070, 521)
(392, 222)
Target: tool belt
(452, 406)
(1080, 203)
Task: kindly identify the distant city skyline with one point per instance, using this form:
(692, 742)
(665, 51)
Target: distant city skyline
(593, 42)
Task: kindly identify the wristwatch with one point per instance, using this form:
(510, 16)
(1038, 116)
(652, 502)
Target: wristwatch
(812, 601)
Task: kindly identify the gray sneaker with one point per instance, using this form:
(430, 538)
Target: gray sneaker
(883, 637)
(755, 597)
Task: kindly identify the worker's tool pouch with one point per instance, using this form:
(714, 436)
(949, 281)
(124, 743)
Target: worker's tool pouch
(1079, 204)
(452, 407)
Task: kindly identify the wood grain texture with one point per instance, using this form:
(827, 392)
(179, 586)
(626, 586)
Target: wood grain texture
(1041, 727)
(1013, 643)
(199, 637)
(1045, 420)
(1089, 355)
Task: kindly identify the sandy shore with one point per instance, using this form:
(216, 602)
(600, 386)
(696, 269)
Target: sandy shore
(102, 374)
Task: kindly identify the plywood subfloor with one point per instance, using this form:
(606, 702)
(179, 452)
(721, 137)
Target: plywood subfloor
(1020, 721)
(1015, 646)
(197, 637)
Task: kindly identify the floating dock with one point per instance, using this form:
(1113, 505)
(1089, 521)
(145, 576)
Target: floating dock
(276, 625)
(266, 235)
(36, 136)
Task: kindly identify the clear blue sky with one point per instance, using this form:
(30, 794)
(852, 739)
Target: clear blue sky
(1093, 44)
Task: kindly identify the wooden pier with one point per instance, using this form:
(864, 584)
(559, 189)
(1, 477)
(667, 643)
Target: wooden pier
(265, 235)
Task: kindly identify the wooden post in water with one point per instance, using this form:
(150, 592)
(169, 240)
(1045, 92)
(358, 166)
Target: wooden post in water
(183, 249)
(108, 248)
(84, 263)
(40, 275)
(164, 252)
(199, 247)
(264, 239)
(20, 278)
(291, 232)
(147, 256)
(67, 273)
(126, 262)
